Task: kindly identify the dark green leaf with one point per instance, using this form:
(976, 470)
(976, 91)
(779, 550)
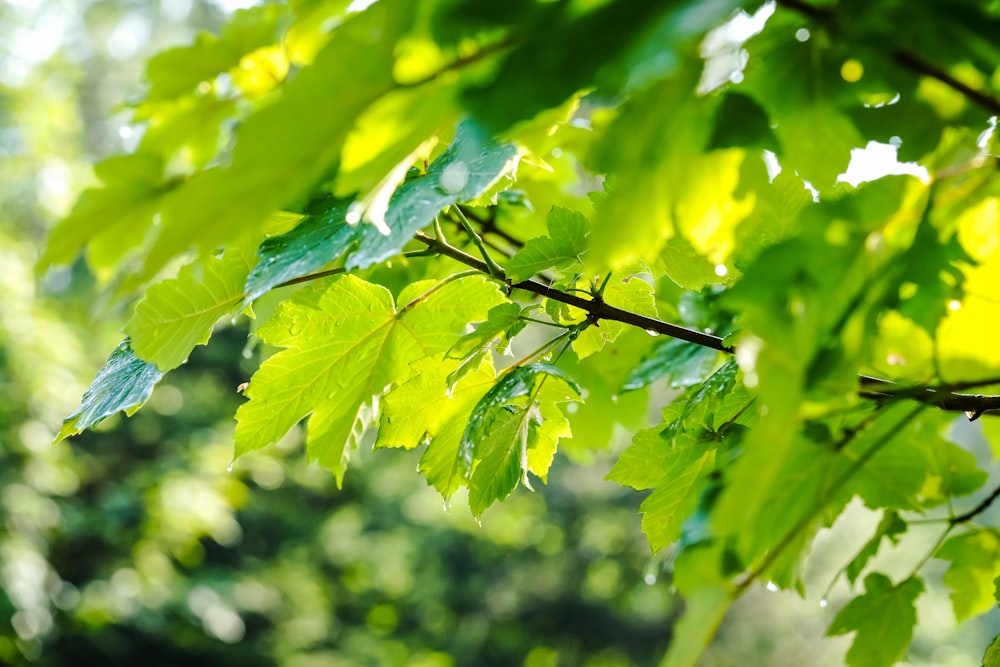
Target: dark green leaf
(686, 364)
(123, 385)
(496, 405)
(315, 242)
(467, 169)
(992, 656)
(742, 123)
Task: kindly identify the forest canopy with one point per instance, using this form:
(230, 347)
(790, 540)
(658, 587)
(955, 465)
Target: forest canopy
(497, 232)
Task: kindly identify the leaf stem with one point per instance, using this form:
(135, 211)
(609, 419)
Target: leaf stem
(978, 509)
(495, 269)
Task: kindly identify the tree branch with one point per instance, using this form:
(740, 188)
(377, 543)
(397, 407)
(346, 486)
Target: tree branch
(978, 509)
(904, 57)
(943, 397)
(595, 308)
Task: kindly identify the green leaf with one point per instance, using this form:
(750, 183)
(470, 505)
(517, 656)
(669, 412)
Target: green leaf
(687, 267)
(500, 320)
(894, 476)
(178, 70)
(345, 341)
(286, 147)
(326, 235)
(500, 433)
(816, 143)
(890, 528)
(641, 465)
(715, 401)
(992, 656)
(741, 123)
(975, 564)
(707, 595)
(566, 241)
(123, 385)
(598, 420)
(422, 410)
(522, 438)
(637, 216)
(953, 471)
(686, 364)
(932, 265)
(676, 493)
(112, 220)
(468, 168)
(516, 382)
(883, 618)
(316, 241)
(178, 314)
(624, 290)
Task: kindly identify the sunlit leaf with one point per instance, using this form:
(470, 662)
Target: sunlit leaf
(178, 314)
(344, 342)
(566, 241)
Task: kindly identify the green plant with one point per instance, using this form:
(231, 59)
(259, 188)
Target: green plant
(412, 190)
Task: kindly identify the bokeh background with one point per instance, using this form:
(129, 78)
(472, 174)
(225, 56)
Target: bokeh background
(140, 544)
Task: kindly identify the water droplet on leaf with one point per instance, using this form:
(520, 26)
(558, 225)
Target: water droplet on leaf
(454, 177)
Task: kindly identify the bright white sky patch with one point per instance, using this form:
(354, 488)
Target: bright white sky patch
(876, 160)
(723, 49)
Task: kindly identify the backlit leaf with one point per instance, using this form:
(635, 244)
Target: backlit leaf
(890, 528)
(975, 564)
(344, 342)
(883, 618)
(566, 241)
(178, 314)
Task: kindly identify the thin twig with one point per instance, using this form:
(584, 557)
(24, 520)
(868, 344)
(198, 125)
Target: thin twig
(973, 405)
(904, 57)
(595, 309)
(978, 509)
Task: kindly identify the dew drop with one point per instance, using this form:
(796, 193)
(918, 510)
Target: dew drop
(247, 353)
(229, 468)
(823, 603)
(771, 586)
(650, 578)
(454, 177)
(353, 215)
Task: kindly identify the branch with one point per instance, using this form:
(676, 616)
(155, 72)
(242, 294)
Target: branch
(978, 509)
(904, 57)
(595, 308)
(943, 397)
(915, 63)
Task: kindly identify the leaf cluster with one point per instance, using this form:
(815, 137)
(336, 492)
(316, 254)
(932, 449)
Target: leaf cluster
(462, 223)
